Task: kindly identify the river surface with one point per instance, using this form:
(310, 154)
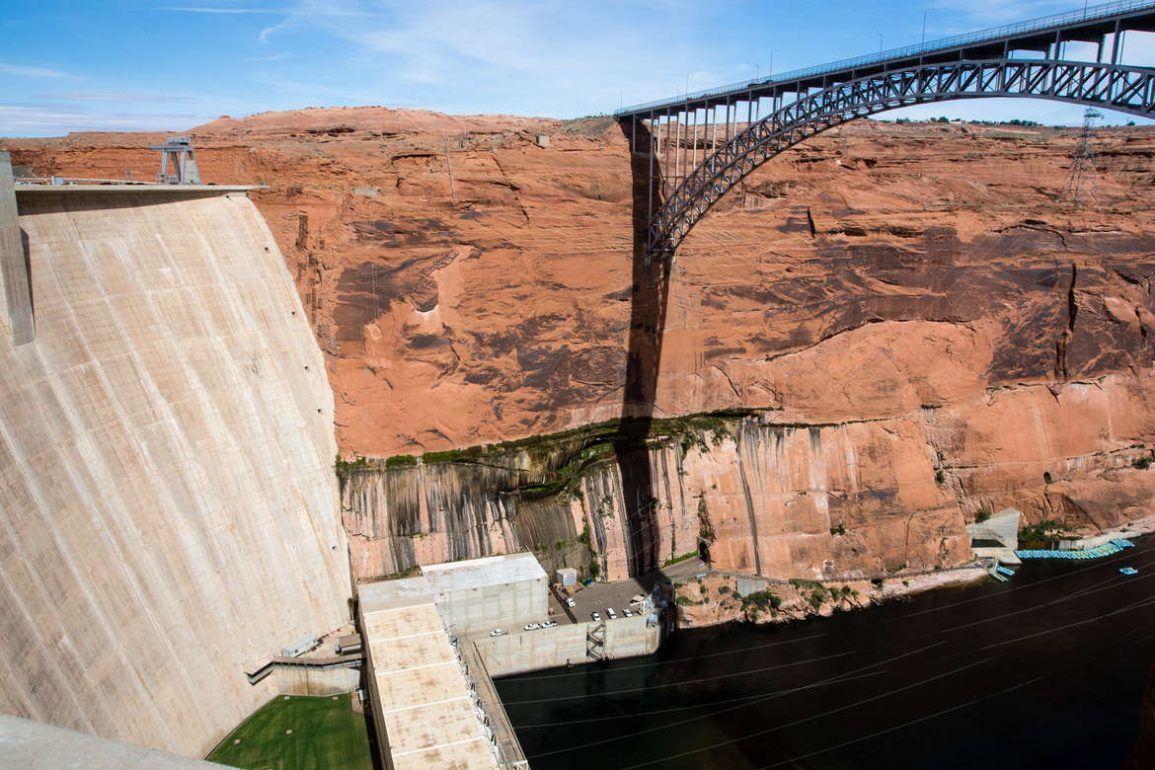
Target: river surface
(1047, 670)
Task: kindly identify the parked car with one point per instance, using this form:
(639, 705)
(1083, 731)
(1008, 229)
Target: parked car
(596, 616)
(497, 632)
(569, 602)
(531, 626)
(549, 624)
(627, 613)
(610, 611)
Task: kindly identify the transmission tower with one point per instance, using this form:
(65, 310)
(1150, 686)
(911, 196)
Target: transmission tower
(1082, 184)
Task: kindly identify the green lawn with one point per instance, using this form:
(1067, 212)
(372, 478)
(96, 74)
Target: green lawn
(326, 733)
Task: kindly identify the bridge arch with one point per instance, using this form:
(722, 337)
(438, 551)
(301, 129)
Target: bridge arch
(683, 161)
(1126, 89)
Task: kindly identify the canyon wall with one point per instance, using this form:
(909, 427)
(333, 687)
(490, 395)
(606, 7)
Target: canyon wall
(169, 512)
(852, 500)
(470, 286)
(920, 323)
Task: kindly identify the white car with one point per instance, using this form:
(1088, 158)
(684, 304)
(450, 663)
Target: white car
(549, 624)
(613, 615)
(596, 615)
(569, 602)
(531, 626)
(627, 613)
(497, 632)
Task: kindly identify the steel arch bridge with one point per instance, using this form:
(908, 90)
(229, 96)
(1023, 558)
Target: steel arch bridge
(696, 148)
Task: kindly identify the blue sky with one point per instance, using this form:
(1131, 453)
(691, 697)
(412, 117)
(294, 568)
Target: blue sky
(72, 65)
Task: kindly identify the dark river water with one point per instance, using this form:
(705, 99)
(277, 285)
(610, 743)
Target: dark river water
(1046, 671)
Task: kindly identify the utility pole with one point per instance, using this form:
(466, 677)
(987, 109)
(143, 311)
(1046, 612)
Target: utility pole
(1082, 183)
(449, 165)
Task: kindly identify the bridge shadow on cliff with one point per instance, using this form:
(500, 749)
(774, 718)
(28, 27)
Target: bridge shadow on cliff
(648, 303)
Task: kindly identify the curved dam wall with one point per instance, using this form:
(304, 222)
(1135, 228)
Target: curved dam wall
(167, 501)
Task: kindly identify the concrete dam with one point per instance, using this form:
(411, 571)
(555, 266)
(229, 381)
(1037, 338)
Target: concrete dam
(166, 451)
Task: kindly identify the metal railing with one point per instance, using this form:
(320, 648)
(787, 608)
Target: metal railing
(1089, 14)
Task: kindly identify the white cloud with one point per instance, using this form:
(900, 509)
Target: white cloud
(40, 120)
(24, 71)
(233, 11)
(270, 58)
(264, 35)
(544, 57)
(993, 12)
(114, 96)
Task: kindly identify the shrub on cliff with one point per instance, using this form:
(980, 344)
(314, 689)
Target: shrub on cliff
(761, 600)
(401, 461)
(343, 467)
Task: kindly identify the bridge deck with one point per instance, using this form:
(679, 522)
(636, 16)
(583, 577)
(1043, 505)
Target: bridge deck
(1090, 25)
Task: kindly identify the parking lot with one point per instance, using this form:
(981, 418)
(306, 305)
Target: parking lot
(600, 597)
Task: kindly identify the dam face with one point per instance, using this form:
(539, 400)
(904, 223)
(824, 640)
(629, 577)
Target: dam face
(166, 468)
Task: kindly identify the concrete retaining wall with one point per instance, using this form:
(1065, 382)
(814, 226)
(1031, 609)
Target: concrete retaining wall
(167, 498)
(316, 681)
(517, 653)
(492, 606)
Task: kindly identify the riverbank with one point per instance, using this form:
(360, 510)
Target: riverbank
(1137, 528)
(718, 598)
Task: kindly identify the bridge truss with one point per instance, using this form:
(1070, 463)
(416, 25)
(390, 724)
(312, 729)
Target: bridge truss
(696, 148)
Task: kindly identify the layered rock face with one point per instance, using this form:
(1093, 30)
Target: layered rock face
(852, 500)
(168, 513)
(923, 329)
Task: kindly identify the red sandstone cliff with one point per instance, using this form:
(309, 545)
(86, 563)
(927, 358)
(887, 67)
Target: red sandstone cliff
(915, 291)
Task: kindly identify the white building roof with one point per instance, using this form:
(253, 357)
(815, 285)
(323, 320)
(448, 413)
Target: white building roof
(441, 579)
(480, 573)
(408, 592)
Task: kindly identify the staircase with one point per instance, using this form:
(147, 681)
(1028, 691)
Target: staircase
(596, 642)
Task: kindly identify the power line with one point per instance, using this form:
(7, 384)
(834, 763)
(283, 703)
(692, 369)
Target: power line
(1082, 183)
(802, 720)
(676, 661)
(757, 697)
(713, 714)
(682, 682)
